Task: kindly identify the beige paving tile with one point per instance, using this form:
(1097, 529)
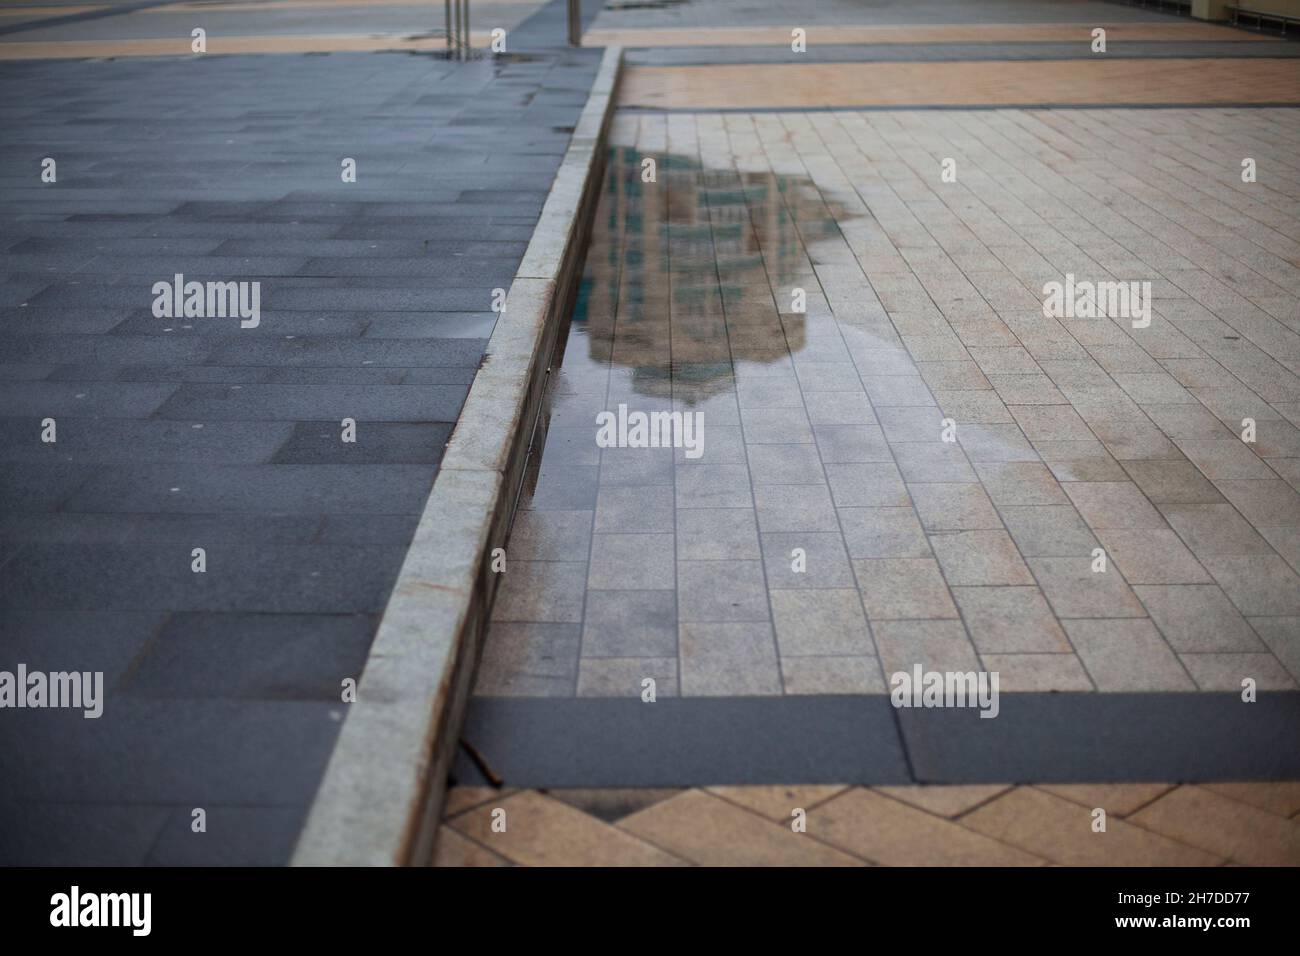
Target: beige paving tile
(721, 591)
(631, 562)
(863, 485)
(1113, 504)
(903, 588)
(1038, 673)
(1152, 556)
(832, 675)
(891, 833)
(550, 536)
(953, 507)
(823, 564)
(1010, 620)
(1061, 831)
(721, 659)
(1281, 798)
(1258, 584)
(1226, 672)
(820, 622)
(459, 799)
(453, 849)
(1172, 482)
(1224, 827)
(777, 803)
(935, 645)
(710, 831)
(786, 508)
(1075, 590)
(1048, 530)
(541, 831)
(1198, 618)
(541, 591)
(633, 510)
(945, 800)
(528, 660)
(1118, 799)
(932, 461)
(979, 558)
(630, 624)
(716, 535)
(1215, 529)
(1124, 655)
(623, 676)
(1020, 483)
(1282, 635)
(883, 533)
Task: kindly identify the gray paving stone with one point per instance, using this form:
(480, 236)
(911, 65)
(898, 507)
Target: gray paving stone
(377, 443)
(299, 489)
(253, 656)
(234, 836)
(390, 403)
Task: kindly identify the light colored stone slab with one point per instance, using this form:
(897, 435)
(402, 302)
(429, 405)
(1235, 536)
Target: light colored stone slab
(710, 831)
(891, 833)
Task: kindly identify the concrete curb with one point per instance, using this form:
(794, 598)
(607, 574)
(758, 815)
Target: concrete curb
(381, 798)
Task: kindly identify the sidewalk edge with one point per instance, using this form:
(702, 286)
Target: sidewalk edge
(380, 801)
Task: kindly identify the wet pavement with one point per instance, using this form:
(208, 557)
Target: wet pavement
(828, 534)
(905, 462)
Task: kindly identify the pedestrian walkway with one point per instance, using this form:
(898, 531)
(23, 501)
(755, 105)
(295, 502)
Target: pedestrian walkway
(225, 688)
(904, 457)
(1146, 824)
(823, 429)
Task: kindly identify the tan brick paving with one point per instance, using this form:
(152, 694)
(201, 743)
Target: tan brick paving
(1119, 799)
(710, 831)
(950, 801)
(986, 825)
(775, 803)
(542, 831)
(982, 83)
(1223, 826)
(1280, 799)
(909, 33)
(891, 833)
(1062, 831)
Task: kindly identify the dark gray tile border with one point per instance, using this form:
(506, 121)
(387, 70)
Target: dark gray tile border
(1079, 738)
(1037, 737)
(603, 742)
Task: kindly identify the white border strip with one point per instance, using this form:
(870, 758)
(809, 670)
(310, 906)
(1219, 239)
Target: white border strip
(381, 798)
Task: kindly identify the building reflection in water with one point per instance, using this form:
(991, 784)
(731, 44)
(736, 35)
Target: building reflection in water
(692, 273)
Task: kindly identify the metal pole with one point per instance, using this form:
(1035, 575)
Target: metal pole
(466, 2)
(446, 24)
(575, 22)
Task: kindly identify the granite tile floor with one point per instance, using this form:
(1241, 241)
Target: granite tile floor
(1148, 824)
(223, 688)
(904, 459)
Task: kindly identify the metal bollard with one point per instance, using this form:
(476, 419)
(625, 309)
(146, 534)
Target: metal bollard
(456, 21)
(575, 22)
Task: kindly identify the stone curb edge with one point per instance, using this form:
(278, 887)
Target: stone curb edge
(381, 797)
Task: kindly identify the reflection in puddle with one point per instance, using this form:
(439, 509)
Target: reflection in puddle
(693, 272)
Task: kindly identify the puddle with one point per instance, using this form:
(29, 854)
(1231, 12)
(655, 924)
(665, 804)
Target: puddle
(633, 560)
